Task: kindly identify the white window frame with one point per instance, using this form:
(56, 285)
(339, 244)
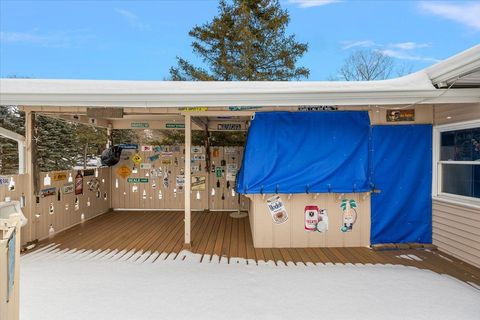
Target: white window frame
(437, 164)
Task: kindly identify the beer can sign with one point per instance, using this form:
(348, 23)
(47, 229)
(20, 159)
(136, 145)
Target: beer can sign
(79, 183)
(277, 209)
(311, 218)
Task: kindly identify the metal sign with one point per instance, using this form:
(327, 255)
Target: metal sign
(88, 172)
(128, 146)
(59, 176)
(401, 115)
(175, 126)
(68, 188)
(137, 180)
(145, 165)
(139, 125)
(124, 171)
(317, 108)
(196, 149)
(198, 183)
(147, 148)
(193, 109)
(198, 157)
(229, 126)
(48, 192)
(105, 112)
(136, 158)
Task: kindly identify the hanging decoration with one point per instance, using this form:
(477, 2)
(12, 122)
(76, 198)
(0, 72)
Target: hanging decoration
(82, 216)
(160, 195)
(134, 188)
(79, 183)
(218, 172)
(154, 158)
(51, 231)
(233, 192)
(198, 195)
(66, 207)
(22, 200)
(134, 169)
(154, 184)
(348, 207)
(216, 153)
(124, 171)
(136, 159)
(96, 173)
(180, 182)
(105, 196)
(144, 194)
(11, 184)
(51, 208)
(59, 197)
(93, 185)
(68, 188)
(316, 219)
(147, 148)
(88, 172)
(212, 193)
(165, 178)
(199, 183)
(88, 202)
(145, 166)
(137, 180)
(277, 209)
(47, 181)
(76, 204)
(70, 178)
(231, 171)
(59, 176)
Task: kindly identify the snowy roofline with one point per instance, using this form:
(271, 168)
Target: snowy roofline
(414, 88)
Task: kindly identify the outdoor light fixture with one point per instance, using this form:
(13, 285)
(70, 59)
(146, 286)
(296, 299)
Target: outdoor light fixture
(47, 181)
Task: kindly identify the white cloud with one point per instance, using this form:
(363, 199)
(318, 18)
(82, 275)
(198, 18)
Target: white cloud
(133, 19)
(357, 44)
(52, 40)
(402, 55)
(467, 14)
(312, 3)
(409, 45)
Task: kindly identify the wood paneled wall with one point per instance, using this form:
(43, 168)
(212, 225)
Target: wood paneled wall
(20, 183)
(292, 234)
(451, 113)
(456, 231)
(171, 160)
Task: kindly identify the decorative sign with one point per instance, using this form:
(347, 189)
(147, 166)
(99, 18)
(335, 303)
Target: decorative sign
(180, 182)
(349, 214)
(48, 192)
(157, 149)
(59, 176)
(4, 181)
(154, 157)
(229, 126)
(216, 153)
(230, 150)
(195, 168)
(136, 158)
(242, 108)
(137, 180)
(175, 126)
(124, 171)
(218, 172)
(79, 183)
(166, 161)
(231, 171)
(196, 149)
(199, 183)
(317, 108)
(68, 188)
(128, 146)
(93, 185)
(105, 112)
(316, 219)
(147, 148)
(145, 166)
(167, 154)
(139, 125)
(401, 115)
(198, 157)
(277, 209)
(193, 109)
(88, 172)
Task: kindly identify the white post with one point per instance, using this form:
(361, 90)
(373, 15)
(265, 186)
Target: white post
(21, 157)
(188, 212)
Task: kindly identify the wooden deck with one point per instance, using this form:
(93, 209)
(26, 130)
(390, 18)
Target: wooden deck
(215, 236)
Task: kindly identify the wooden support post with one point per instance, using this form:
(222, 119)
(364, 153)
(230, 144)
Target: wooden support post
(30, 172)
(188, 180)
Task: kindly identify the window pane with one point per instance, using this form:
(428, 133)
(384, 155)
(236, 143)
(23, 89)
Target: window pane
(460, 145)
(461, 179)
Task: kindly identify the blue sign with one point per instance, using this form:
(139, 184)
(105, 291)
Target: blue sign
(129, 146)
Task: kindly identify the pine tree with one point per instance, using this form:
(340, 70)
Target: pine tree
(14, 120)
(247, 41)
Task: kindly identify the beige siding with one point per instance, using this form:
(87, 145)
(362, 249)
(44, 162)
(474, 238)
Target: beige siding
(451, 113)
(291, 234)
(456, 231)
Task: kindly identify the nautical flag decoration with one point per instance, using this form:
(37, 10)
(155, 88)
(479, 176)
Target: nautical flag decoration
(348, 207)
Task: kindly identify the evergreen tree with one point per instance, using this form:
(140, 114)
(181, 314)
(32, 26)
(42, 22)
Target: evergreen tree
(246, 41)
(14, 120)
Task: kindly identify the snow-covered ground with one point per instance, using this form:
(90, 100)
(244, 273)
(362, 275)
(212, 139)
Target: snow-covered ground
(102, 285)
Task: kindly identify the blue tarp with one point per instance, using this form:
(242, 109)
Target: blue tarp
(402, 171)
(302, 152)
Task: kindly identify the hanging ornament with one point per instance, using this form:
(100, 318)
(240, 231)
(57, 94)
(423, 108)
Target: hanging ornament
(223, 163)
(233, 192)
(22, 201)
(96, 173)
(223, 196)
(11, 185)
(134, 188)
(77, 204)
(47, 180)
(105, 196)
(213, 191)
(134, 169)
(154, 184)
(98, 194)
(228, 184)
(218, 183)
(116, 183)
(37, 215)
(88, 202)
(51, 209)
(82, 216)
(160, 196)
(70, 178)
(175, 162)
(198, 195)
(59, 196)
(103, 180)
(144, 194)
(174, 193)
(66, 207)
(213, 166)
(147, 174)
(51, 231)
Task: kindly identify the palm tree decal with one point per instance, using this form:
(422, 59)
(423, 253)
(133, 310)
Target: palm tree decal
(349, 214)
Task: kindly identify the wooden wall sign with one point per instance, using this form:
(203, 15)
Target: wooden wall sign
(68, 188)
(401, 115)
(59, 176)
(199, 183)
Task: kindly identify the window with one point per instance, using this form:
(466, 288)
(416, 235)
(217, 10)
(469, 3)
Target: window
(458, 160)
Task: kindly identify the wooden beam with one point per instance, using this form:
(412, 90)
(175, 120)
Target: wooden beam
(29, 171)
(188, 169)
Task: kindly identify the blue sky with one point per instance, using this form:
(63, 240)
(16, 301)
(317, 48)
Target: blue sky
(139, 40)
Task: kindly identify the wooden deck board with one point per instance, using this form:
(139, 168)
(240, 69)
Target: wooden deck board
(217, 234)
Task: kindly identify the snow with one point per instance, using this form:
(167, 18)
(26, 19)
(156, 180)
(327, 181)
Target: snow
(75, 284)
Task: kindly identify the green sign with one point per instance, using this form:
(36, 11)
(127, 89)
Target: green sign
(218, 172)
(137, 180)
(175, 126)
(140, 125)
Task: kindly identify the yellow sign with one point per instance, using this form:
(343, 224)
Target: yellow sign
(59, 176)
(124, 171)
(136, 158)
(194, 109)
